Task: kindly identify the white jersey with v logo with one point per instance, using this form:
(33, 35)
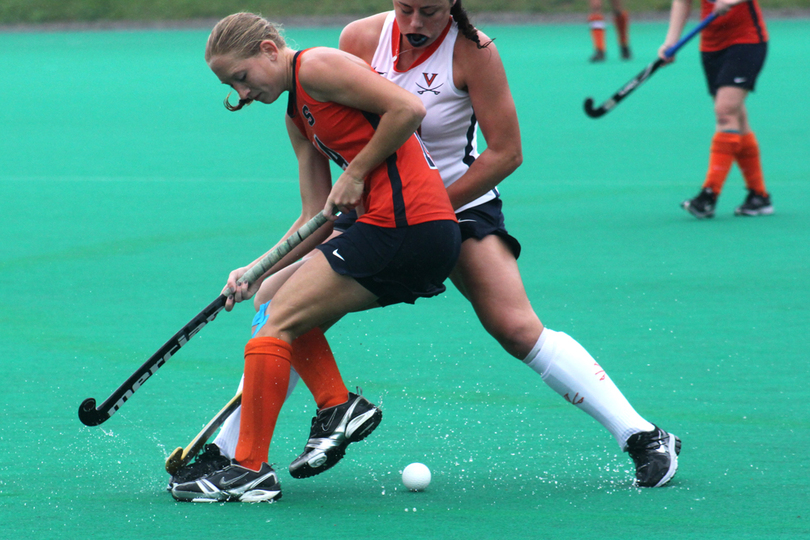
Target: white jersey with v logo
(450, 128)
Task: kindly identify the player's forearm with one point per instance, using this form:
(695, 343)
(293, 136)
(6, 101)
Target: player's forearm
(488, 170)
(677, 20)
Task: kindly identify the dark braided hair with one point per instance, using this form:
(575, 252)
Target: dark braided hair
(466, 28)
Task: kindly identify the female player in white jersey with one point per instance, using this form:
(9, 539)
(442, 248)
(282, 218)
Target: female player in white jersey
(430, 48)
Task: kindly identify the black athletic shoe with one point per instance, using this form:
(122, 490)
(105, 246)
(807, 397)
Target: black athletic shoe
(626, 54)
(755, 204)
(702, 206)
(655, 454)
(332, 431)
(598, 56)
(210, 460)
(234, 483)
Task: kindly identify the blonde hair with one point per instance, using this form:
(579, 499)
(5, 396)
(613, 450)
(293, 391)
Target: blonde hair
(241, 35)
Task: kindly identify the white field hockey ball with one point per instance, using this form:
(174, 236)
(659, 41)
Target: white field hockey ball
(416, 477)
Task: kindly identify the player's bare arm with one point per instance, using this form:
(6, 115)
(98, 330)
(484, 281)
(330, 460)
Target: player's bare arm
(481, 73)
(360, 37)
(314, 174)
(677, 20)
(336, 76)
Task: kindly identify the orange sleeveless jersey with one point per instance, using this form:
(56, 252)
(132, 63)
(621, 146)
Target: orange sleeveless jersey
(742, 24)
(406, 189)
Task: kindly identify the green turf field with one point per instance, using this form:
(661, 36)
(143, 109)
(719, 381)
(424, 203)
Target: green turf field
(127, 193)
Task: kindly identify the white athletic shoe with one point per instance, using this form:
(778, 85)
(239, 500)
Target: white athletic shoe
(234, 483)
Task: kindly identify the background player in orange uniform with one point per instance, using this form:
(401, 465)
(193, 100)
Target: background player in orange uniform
(596, 21)
(733, 50)
(403, 246)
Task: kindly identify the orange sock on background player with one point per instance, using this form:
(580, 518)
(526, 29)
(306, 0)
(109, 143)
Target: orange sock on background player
(748, 159)
(597, 23)
(621, 20)
(267, 373)
(724, 148)
(312, 358)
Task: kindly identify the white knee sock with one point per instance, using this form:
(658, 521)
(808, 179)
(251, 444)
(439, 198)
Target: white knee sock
(567, 368)
(228, 436)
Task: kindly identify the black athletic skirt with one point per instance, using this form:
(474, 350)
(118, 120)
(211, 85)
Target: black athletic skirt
(737, 65)
(396, 265)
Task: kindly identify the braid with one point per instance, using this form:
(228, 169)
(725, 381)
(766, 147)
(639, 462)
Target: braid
(466, 28)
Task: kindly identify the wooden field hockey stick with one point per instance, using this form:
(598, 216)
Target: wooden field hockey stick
(92, 416)
(635, 82)
(181, 456)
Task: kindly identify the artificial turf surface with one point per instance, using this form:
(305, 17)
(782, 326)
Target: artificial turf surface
(127, 193)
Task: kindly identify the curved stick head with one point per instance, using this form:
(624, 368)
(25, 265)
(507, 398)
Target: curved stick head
(89, 415)
(591, 111)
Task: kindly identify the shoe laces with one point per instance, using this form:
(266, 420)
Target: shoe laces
(647, 442)
(754, 197)
(707, 195)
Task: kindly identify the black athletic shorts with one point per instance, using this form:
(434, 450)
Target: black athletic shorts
(397, 265)
(737, 65)
(477, 222)
(480, 221)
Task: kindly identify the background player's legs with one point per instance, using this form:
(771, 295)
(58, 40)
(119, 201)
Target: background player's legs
(731, 122)
(749, 162)
(729, 110)
(731, 114)
(596, 23)
(622, 21)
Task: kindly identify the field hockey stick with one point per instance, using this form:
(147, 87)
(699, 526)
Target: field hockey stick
(635, 82)
(92, 416)
(181, 456)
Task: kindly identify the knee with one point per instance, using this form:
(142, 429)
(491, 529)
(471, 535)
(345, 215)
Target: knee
(516, 336)
(727, 114)
(271, 330)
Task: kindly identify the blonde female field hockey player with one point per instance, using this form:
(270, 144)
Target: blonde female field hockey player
(402, 247)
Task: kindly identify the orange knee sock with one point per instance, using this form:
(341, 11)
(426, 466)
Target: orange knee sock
(721, 156)
(622, 24)
(597, 23)
(748, 159)
(313, 360)
(267, 374)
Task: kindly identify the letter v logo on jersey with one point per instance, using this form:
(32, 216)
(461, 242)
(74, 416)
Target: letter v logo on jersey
(429, 78)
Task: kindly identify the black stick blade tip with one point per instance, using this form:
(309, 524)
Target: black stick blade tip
(591, 111)
(89, 415)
